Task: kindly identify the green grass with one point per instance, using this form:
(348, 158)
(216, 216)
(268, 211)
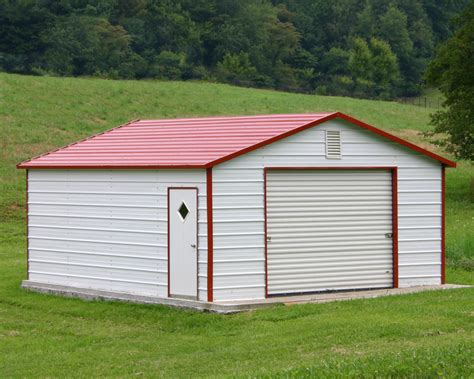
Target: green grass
(425, 335)
(460, 217)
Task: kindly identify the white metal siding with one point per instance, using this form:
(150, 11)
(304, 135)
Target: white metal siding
(238, 200)
(326, 230)
(107, 229)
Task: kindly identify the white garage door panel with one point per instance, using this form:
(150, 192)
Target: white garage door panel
(327, 230)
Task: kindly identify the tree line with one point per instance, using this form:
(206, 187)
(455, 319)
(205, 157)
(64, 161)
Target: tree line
(363, 48)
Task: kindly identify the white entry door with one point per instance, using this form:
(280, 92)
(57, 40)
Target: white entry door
(182, 218)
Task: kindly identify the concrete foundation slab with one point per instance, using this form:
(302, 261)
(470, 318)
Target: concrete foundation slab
(226, 306)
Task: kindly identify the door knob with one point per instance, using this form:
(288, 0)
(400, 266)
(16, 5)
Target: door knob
(193, 245)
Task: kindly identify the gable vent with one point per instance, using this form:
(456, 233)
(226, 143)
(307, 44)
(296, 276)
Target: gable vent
(333, 144)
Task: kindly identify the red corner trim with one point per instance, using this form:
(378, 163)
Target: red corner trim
(27, 230)
(443, 225)
(168, 237)
(210, 237)
(395, 225)
(265, 228)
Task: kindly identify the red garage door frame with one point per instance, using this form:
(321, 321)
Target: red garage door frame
(394, 171)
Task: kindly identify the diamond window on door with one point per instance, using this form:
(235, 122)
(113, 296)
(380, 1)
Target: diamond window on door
(183, 211)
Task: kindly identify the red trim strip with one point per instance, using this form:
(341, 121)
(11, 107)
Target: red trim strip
(265, 227)
(327, 118)
(395, 139)
(197, 238)
(394, 171)
(210, 237)
(27, 229)
(333, 168)
(395, 225)
(168, 236)
(114, 167)
(443, 225)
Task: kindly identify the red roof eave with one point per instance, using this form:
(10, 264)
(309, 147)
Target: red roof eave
(350, 119)
(401, 141)
(25, 165)
(207, 164)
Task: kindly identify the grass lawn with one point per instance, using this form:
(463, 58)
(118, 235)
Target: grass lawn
(427, 334)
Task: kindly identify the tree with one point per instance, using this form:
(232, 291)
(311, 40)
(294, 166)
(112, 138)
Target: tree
(282, 40)
(393, 28)
(21, 23)
(297, 45)
(365, 21)
(453, 71)
(83, 45)
(336, 61)
(360, 60)
(384, 67)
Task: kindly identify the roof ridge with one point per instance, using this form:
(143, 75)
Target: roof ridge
(237, 116)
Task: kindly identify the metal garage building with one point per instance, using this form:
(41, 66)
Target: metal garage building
(235, 208)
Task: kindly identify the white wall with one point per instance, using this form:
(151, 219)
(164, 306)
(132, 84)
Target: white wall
(239, 270)
(107, 229)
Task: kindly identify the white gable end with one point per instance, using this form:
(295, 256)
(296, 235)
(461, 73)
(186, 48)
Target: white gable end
(238, 198)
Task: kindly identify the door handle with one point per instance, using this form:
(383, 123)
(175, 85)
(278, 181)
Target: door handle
(193, 245)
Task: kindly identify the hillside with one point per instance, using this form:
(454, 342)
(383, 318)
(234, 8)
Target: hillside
(425, 334)
(38, 114)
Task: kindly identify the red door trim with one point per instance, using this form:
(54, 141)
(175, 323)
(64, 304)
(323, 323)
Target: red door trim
(210, 237)
(394, 171)
(395, 225)
(333, 168)
(197, 236)
(443, 225)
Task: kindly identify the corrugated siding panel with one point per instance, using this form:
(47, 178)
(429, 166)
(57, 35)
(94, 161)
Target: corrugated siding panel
(107, 229)
(327, 230)
(419, 183)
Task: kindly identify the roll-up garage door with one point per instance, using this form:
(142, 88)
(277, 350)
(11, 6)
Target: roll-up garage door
(328, 230)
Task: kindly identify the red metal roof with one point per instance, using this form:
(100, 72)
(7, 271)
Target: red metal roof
(189, 142)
